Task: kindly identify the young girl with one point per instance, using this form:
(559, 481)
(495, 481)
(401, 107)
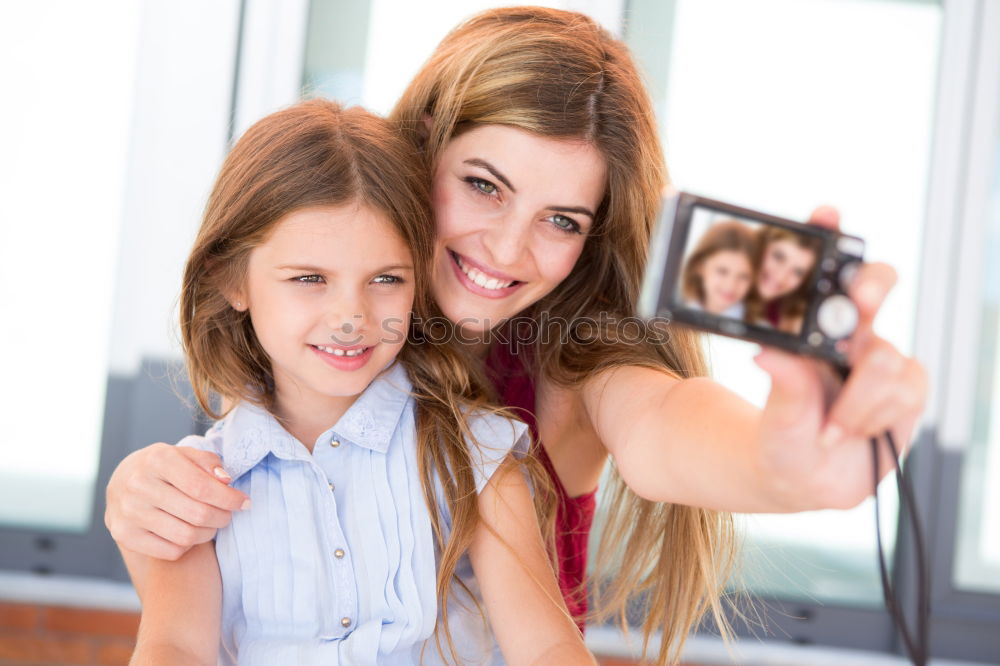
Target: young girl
(783, 260)
(719, 272)
(377, 480)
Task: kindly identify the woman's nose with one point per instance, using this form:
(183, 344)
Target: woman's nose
(508, 239)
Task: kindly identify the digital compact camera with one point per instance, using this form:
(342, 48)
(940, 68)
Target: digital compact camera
(745, 274)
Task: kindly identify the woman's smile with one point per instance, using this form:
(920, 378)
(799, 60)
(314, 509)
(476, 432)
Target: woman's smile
(482, 280)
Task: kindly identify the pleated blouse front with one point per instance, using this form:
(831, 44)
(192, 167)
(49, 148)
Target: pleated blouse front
(334, 563)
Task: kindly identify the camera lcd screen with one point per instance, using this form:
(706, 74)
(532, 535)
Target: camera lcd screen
(747, 271)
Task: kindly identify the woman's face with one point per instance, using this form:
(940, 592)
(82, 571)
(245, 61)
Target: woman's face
(725, 279)
(785, 265)
(513, 211)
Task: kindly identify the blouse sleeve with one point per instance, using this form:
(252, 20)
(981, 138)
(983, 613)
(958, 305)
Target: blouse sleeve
(495, 437)
(210, 441)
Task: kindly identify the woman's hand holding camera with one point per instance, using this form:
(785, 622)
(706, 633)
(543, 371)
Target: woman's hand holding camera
(814, 434)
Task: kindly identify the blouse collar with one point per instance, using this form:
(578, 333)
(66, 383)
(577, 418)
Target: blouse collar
(249, 432)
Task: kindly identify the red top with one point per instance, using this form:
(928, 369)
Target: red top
(574, 515)
(773, 313)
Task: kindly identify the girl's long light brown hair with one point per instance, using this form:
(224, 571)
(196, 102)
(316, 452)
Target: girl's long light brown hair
(557, 74)
(316, 154)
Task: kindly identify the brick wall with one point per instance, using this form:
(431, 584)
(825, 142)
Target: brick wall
(32, 635)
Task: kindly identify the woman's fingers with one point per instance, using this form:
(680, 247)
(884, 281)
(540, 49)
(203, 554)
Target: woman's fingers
(897, 410)
(795, 388)
(827, 217)
(195, 474)
(869, 288)
(147, 543)
(884, 390)
(177, 531)
(170, 499)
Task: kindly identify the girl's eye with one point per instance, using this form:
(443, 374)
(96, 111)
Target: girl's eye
(309, 279)
(566, 224)
(481, 186)
(387, 279)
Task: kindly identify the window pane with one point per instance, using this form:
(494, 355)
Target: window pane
(68, 73)
(784, 106)
(346, 45)
(978, 562)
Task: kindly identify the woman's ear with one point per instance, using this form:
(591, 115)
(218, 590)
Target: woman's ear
(424, 129)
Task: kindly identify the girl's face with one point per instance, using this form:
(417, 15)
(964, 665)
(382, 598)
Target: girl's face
(725, 277)
(329, 294)
(785, 265)
(513, 210)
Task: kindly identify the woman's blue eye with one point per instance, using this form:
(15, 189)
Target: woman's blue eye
(309, 279)
(565, 223)
(482, 186)
(387, 279)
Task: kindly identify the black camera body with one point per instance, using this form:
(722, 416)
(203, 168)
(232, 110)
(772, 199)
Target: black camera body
(745, 274)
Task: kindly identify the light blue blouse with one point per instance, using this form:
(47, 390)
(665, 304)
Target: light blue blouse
(334, 563)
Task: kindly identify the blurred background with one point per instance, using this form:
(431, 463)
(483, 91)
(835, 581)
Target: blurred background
(117, 114)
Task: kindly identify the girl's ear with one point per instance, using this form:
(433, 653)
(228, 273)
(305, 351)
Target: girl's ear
(238, 301)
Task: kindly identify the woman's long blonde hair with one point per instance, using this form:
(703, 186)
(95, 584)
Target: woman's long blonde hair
(317, 154)
(558, 74)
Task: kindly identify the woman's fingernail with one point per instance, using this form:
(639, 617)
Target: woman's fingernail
(222, 474)
(245, 505)
(830, 435)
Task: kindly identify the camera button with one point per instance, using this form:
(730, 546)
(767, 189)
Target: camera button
(837, 316)
(848, 272)
(850, 245)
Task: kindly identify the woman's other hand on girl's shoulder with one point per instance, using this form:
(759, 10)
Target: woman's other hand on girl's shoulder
(164, 499)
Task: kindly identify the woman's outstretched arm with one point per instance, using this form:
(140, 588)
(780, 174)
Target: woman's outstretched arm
(694, 442)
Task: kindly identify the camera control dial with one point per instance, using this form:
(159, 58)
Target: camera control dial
(837, 316)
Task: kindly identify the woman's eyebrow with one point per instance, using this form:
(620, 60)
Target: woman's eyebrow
(478, 162)
(572, 209)
(475, 161)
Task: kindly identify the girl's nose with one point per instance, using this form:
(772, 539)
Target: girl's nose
(346, 319)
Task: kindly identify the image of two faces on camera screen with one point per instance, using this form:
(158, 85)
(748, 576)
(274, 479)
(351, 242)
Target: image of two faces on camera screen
(748, 271)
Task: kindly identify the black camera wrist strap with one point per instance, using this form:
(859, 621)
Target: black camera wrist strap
(916, 643)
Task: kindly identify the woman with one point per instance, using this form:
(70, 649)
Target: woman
(547, 173)
(780, 294)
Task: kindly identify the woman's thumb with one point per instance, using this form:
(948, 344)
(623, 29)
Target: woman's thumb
(794, 385)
